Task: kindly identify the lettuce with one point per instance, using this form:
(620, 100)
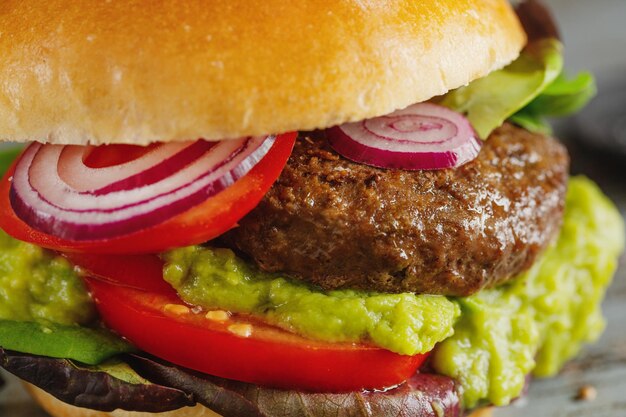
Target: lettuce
(423, 395)
(525, 92)
(110, 386)
(490, 100)
(562, 98)
(144, 384)
(7, 156)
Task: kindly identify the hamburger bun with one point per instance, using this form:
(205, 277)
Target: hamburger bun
(113, 72)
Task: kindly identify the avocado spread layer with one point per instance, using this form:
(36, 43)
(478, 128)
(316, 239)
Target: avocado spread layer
(541, 320)
(403, 323)
(533, 324)
(37, 286)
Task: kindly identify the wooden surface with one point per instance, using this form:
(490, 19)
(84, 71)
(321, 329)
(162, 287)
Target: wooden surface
(595, 34)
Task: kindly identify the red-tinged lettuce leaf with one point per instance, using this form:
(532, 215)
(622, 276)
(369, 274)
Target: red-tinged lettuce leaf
(106, 387)
(425, 395)
(154, 386)
(537, 20)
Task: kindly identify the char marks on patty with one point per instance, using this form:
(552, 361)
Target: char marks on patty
(339, 224)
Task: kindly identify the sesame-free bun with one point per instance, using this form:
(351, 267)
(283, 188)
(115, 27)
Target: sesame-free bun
(140, 71)
(57, 408)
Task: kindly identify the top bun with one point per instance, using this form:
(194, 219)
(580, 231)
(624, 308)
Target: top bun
(141, 71)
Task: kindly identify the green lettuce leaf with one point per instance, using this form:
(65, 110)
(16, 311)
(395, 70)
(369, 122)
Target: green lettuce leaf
(490, 100)
(83, 344)
(562, 98)
(531, 122)
(7, 156)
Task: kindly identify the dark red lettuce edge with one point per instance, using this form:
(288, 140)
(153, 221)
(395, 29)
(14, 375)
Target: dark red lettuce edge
(88, 387)
(171, 387)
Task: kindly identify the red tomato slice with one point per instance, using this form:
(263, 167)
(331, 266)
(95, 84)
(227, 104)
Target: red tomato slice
(199, 224)
(154, 318)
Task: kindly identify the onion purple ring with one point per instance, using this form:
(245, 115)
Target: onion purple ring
(55, 192)
(423, 136)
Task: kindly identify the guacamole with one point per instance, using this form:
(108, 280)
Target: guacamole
(533, 324)
(38, 286)
(542, 319)
(403, 323)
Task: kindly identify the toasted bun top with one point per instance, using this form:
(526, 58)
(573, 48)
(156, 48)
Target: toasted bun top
(139, 71)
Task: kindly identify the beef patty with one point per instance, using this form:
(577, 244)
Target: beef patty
(339, 224)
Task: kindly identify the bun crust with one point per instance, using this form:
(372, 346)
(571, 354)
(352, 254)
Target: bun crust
(140, 71)
(58, 408)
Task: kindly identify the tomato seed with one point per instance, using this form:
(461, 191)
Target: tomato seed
(217, 315)
(176, 309)
(243, 330)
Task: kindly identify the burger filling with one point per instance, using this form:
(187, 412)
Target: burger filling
(344, 278)
(533, 324)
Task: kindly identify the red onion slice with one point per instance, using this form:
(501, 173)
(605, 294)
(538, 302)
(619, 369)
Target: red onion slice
(85, 178)
(164, 160)
(55, 192)
(422, 136)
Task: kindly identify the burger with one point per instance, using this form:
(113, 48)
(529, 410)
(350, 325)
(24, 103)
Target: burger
(347, 208)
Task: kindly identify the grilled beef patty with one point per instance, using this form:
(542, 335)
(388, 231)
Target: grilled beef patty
(339, 224)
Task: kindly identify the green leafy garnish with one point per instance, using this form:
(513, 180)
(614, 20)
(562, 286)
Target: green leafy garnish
(525, 92)
(7, 156)
(563, 97)
(117, 369)
(490, 100)
(531, 122)
(109, 386)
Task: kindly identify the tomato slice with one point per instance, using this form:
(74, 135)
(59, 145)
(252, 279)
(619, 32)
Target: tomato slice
(199, 224)
(147, 311)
